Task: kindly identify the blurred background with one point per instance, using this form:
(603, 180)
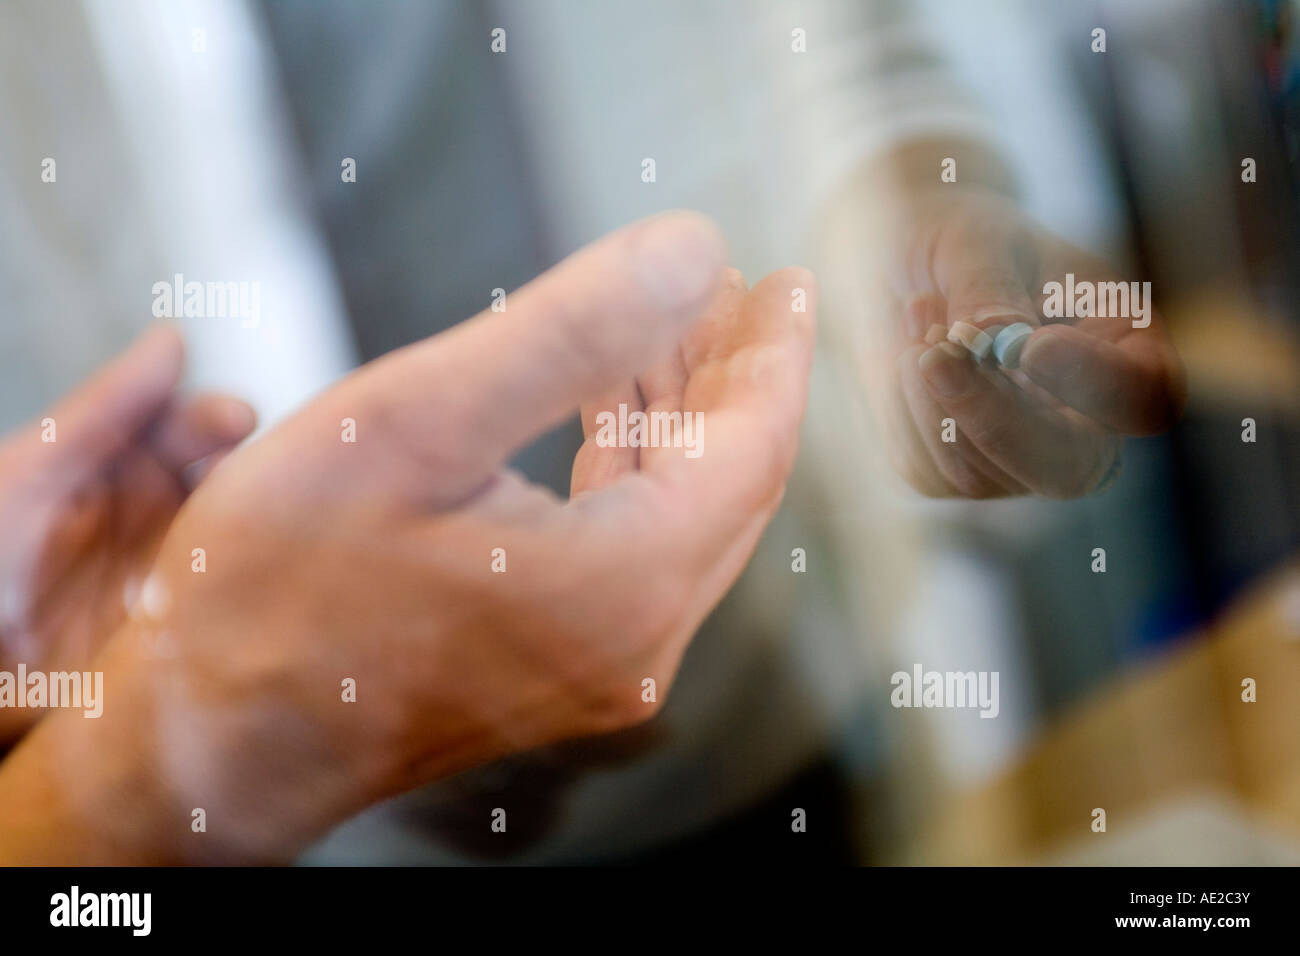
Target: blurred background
(210, 138)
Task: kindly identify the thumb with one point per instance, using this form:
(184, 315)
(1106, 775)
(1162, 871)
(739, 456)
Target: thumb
(94, 423)
(489, 385)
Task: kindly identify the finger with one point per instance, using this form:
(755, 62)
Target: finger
(905, 322)
(657, 391)
(144, 492)
(713, 331)
(983, 281)
(880, 377)
(104, 415)
(663, 384)
(593, 321)
(747, 399)
(132, 507)
(198, 427)
(960, 463)
(1048, 451)
(604, 457)
(1134, 385)
(600, 462)
(906, 448)
(702, 517)
(920, 314)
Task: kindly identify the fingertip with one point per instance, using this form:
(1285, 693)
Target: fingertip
(804, 280)
(236, 418)
(935, 334)
(198, 427)
(160, 346)
(792, 277)
(796, 287)
(678, 257)
(734, 280)
(103, 414)
(148, 372)
(801, 277)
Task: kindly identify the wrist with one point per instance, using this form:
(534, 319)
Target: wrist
(82, 791)
(165, 775)
(935, 167)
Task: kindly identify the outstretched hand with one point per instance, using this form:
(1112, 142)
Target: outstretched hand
(1050, 426)
(468, 612)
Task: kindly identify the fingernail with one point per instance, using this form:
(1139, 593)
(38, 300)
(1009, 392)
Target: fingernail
(678, 258)
(946, 370)
(935, 334)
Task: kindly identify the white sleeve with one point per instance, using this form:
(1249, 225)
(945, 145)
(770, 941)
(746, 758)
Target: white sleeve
(741, 124)
(223, 201)
(874, 76)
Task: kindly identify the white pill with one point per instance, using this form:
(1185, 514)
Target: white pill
(976, 341)
(1007, 346)
(992, 331)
